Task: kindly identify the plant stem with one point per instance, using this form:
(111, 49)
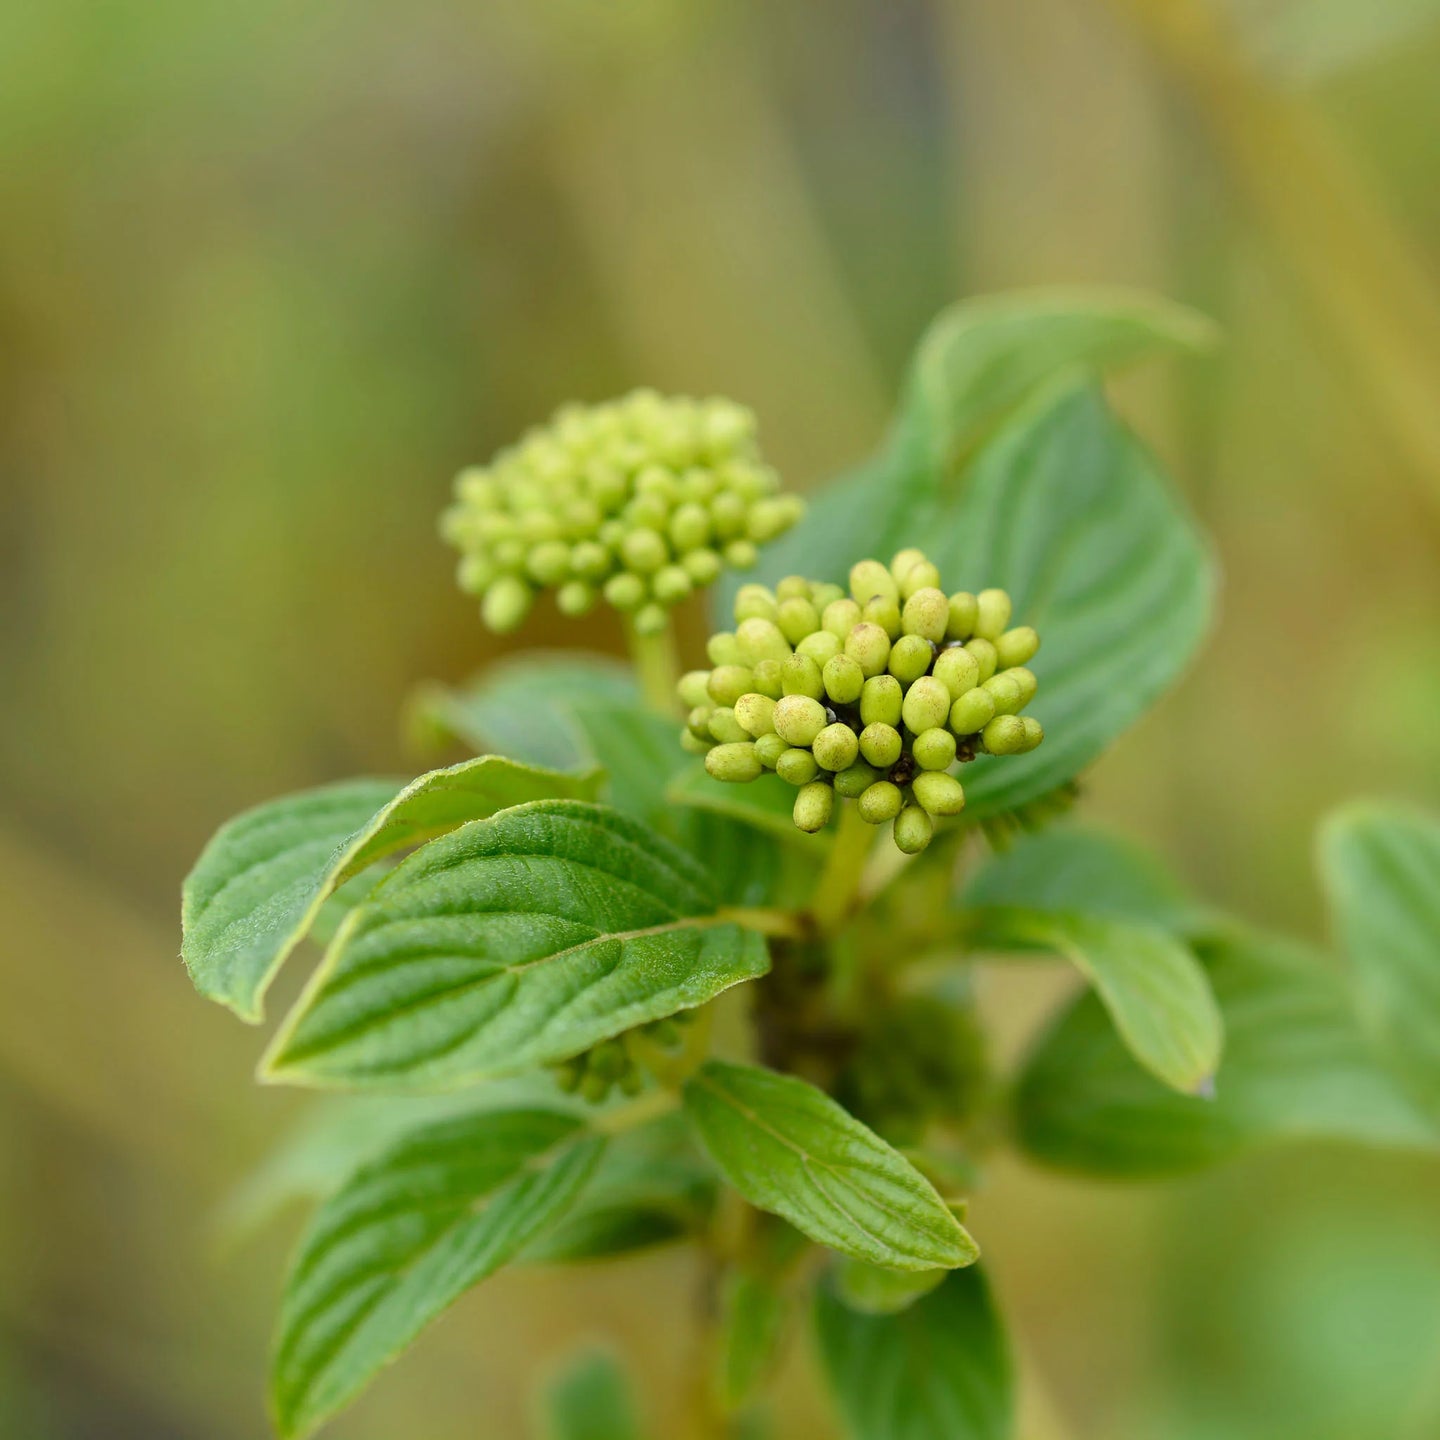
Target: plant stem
(839, 883)
(655, 666)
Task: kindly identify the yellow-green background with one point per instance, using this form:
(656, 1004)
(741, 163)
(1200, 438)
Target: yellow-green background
(269, 273)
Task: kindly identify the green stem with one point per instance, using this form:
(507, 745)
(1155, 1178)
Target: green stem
(656, 666)
(839, 883)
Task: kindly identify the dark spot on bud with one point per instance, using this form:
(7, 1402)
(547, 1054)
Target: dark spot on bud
(902, 772)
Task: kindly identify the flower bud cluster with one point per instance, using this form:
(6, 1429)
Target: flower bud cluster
(611, 1065)
(637, 501)
(873, 695)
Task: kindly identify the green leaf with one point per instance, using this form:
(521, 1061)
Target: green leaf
(1381, 867)
(754, 1315)
(1297, 1067)
(261, 882)
(590, 1400)
(874, 1291)
(940, 1367)
(512, 942)
(790, 1149)
(409, 1234)
(1152, 985)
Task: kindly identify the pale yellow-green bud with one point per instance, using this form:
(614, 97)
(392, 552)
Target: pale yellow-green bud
(855, 780)
(824, 594)
(797, 766)
(693, 743)
(725, 726)
(880, 802)
(589, 560)
(927, 704)
(813, 806)
(840, 617)
(1004, 735)
(881, 701)
(650, 619)
(761, 640)
(1034, 732)
(904, 559)
(939, 793)
(724, 649)
(575, 597)
(957, 670)
(972, 711)
(625, 591)
(754, 602)
(926, 614)
(792, 587)
(961, 622)
(835, 747)
(703, 566)
(770, 748)
(768, 678)
(881, 744)
(736, 763)
(910, 658)
(756, 713)
(741, 555)
(644, 550)
(913, 830)
(693, 687)
(820, 647)
(984, 653)
(870, 578)
(1027, 682)
(549, 562)
(797, 619)
(671, 584)
(689, 526)
(883, 611)
(798, 719)
(772, 517)
(934, 749)
(1006, 691)
(727, 514)
(844, 679)
(923, 576)
(507, 602)
(869, 646)
(698, 721)
(800, 675)
(728, 683)
(992, 613)
(1017, 647)
(474, 574)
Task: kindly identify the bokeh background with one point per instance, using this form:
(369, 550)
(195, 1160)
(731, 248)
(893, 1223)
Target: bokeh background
(270, 273)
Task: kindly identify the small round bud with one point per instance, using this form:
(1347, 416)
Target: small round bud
(957, 670)
(770, 748)
(800, 675)
(840, 617)
(972, 711)
(797, 766)
(689, 526)
(761, 640)
(869, 647)
(927, 704)
(939, 793)
(507, 602)
(884, 612)
(475, 574)
(693, 743)
(870, 578)
(767, 678)
(1006, 691)
(881, 745)
(844, 679)
(644, 550)
(797, 619)
(650, 620)
(881, 701)
(904, 559)
(799, 719)
(735, 764)
(773, 516)
(698, 721)
(728, 683)
(693, 688)
(923, 576)
(725, 727)
(671, 584)
(835, 747)
(820, 647)
(549, 562)
(754, 602)
(992, 614)
(1017, 646)
(1034, 732)
(881, 802)
(793, 587)
(1027, 682)
(756, 713)
(961, 624)
(926, 613)
(913, 830)
(703, 566)
(727, 515)
(910, 658)
(813, 806)
(575, 597)
(625, 591)
(1004, 735)
(590, 561)
(824, 594)
(724, 649)
(853, 782)
(741, 555)
(984, 653)
(934, 749)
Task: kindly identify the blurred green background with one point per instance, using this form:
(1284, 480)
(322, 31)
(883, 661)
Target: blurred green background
(269, 274)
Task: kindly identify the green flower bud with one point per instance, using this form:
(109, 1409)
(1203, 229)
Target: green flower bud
(671, 584)
(824, 594)
(625, 591)
(1034, 732)
(992, 614)
(575, 597)
(934, 750)
(549, 562)
(854, 781)
(694, 744)
(702, 566)
(1027, 682)
(961, 625)
(926, 613)
(972, 711)
(727, 515)
(881, 701)
(800, 675)
(728, 683)
(772, 517)
(770, 748)
(797, 619)
(843, 678)
(904, 559)
(612, 534)
(768, 678)
(881, 802)
(840, 617)
(1017, 647)
(835, 747)
(590, 561)
(884, 612)
(644, 550)
(797, 766)
(1004, 735)
(724, 649)
(735, 763)
(870, 578)
(650, 620)
(725, 727)
(698, 721)
(913, 830)
(539, 525)
(799, 719)
(594, 1087)
(923, 576)
(761, 640)
(813, 806)
(910, 658)
(792, 587)
(507, 602)
(985, 657)
(659, 481)
(869, 647)
(1006, 691)
(820, 647)
(755, 602)
(689, 527)
(693, 687)
(756, 713)
(474, 574)
(957, 670)
(741, 555)
(927, 704)
(881, 745)
(939, 793)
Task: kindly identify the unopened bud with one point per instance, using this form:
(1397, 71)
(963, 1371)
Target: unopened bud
(693, 687)
(869, 646)
(768, 678)
(1006, 691)
(913, 830)
(1034, 732)
(881, 701)
(972, 711)
(1004, 735)
(800, 675)
(927, 704)
(754, 602)
(575, 597)
(854, 781)
(735, 763)
(843, 678)
(728, 683)
(926, 613)
(840, 617)
(835, 747)
(870, 578)
(650, 619)
(703, 566)
(957, 670)
(880, 802)
(904, 559)
(725, 727)
(883, 611)
(934, 749)
(770, 748)
(756, 713)
(644, 550)
(760, 639)
(1017, 647)
(939, 793)
(792, 587)
(923, 576)
(671, 584)
(797, 766)
(797, 619)
(813, 806)
(881, 745)
(820, 647)
(625, 591)
(507, 602)
(961, 624)
(985, 657)
(741, 555)
(910, 658)
(799, 719)
(824, 594)
(992, 613)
